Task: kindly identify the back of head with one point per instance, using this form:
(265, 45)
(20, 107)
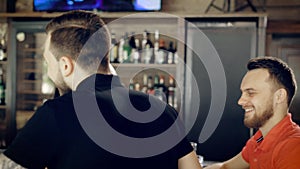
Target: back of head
(81, 35)
(281, 74)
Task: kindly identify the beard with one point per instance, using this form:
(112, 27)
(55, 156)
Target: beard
(258, 121)
(61, 85)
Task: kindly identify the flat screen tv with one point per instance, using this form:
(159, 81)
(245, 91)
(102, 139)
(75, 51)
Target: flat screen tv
(101, 5)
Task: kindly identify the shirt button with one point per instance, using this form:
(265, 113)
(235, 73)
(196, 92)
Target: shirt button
(255, 160)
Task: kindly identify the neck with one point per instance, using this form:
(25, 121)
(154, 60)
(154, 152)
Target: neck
(274, 120)
(81, 74)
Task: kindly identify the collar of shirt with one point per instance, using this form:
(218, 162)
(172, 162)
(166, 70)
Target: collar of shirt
(99, 80)
(275, 135)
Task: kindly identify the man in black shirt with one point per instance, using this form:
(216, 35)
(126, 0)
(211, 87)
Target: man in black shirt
(95, 122)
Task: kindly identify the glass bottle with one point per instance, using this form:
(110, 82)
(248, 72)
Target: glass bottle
(126, 49)
(114, 49)
(171, 92)
(2, 88)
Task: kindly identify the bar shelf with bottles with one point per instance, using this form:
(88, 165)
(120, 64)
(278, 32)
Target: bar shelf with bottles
(3, 84)
(145, 63)
(134, 49)
(158, 83)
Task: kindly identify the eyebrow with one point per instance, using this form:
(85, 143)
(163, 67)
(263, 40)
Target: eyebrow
(248, 90)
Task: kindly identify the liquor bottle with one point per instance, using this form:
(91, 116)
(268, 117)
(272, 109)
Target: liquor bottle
(147, 54)
(171, 51)
(2, 88)
(113, 49)
(147, 48)
(136, 53)
(175, 59)
(131, 85)
(156, 46)
(3, 55)
(120, 51)
(150, 89)
(145, 83)
(126, 49)
(146, 39)
(171, 92)
(162, 52)
(137, 86)
(134, 44)
(3, 44)
(160, 88)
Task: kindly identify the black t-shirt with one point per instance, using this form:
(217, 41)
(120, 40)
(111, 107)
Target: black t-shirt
(70, 132)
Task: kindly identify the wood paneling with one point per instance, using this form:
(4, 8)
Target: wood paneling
(281, 13)
(283, 27)
(281, 2)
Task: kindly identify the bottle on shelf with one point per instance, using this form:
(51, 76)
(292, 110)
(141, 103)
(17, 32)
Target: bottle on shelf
(156, 46)
(145, 83)
(126, 49)
(3, 55)
(175, 59)
(160, 89)
(171, 51)
(137, 86)
(134, 44)
(114, 49)
(150, 89)
(120, 51)
(171, 93)
(3, 46)
(2, 88)
(147, 48)
(162, 52)
(131, 85)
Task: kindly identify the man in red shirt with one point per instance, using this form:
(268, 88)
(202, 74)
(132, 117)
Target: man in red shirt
(267, 91)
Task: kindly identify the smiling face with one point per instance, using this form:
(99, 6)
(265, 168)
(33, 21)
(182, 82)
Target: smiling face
(257, 98)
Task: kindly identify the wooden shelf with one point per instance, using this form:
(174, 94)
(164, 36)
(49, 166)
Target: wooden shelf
(32, 101)
(2, 62)
(32, 81)
(36, 50)
(113, 15)
(143, 65)
(30, 92)
(103, 14)
(32, 60)
(32, 71)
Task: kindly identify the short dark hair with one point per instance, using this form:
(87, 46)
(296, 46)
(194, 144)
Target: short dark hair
(279, 71)
(80, 33)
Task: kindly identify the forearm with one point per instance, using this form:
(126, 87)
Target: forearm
(189, 161)
(215, 166)
(6, 163)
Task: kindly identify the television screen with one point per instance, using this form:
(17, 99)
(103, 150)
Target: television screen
(102, 5)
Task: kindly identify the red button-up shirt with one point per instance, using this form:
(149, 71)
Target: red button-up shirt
(279, 149)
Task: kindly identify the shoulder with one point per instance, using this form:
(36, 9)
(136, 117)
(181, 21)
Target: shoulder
(289, 145)
(57, 103)
(286, 153)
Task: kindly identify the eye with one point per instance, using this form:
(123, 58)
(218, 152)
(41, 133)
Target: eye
(250, 93)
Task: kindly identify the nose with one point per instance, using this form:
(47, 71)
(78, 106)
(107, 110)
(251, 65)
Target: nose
(241, 101)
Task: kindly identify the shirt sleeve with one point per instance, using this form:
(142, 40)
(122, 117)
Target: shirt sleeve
(286, 155)
(36, 142)
(245, 151)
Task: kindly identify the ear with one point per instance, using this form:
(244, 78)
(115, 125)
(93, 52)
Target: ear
(66, 65)
(281, 95)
